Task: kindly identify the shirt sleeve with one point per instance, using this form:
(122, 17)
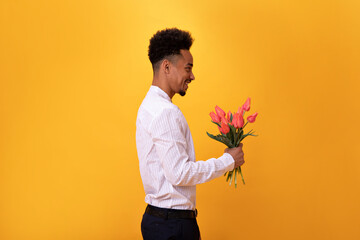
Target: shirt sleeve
(171, 147)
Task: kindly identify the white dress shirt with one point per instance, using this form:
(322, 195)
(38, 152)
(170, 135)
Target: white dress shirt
(166, 154)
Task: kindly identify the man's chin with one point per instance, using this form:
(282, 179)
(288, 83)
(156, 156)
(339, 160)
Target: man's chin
(182, 93)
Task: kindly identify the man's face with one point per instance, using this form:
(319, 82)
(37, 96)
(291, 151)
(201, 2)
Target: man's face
(181, 73)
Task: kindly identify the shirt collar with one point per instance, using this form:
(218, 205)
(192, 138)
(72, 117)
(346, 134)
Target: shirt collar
(158, 91)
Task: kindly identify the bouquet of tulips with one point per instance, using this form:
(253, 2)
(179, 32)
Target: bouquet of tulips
(231, 127)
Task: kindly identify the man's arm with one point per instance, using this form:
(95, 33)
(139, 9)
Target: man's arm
(171, 146)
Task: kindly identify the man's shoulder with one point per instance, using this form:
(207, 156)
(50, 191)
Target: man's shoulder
(153, 107)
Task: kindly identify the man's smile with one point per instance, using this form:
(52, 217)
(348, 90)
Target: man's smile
(187, 82)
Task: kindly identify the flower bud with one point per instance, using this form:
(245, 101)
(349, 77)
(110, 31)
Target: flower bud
(215, 117)
(252, 118)
(219, 111)
(246, 105)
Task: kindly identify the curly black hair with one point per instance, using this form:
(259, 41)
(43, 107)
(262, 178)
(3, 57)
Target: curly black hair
(166, 43)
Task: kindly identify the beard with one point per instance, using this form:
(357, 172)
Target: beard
(182, 93)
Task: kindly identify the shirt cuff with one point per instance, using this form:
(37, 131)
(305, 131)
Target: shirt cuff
(228, 161)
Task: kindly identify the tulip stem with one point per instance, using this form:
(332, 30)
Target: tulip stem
(235, 177)
(241, 176)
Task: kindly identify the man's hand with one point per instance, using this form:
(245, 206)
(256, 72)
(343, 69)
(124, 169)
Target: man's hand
(237, 154)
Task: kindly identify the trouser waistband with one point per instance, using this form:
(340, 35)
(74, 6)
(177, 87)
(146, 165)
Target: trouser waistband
(167, 213)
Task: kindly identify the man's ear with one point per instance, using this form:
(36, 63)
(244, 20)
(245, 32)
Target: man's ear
(165, 66)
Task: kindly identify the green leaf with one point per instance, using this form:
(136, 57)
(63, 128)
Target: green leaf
(228, 176)
(250, 133)
(226, 141)
(216, 123)
(219, 138)
(229, 136)
(237, 137)
(241, 132)
(233, 132)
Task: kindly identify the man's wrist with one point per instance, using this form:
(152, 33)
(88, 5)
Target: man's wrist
(228, 161)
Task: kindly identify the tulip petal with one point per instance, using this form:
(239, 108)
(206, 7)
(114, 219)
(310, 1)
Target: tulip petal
(246, 105)
(219, 111)
(215, 117)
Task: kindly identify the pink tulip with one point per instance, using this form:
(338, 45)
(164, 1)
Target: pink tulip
(224, 128)
(234, 120)
(241, 121)
(246, 105)
(224, 120)
(252, 118)
(214, 117)
(229, 116)
(241, 111)
(220, 112)
(238, 120)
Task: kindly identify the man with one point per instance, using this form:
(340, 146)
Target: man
(165, 148)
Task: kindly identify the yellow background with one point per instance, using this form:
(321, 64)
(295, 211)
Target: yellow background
(73, 74)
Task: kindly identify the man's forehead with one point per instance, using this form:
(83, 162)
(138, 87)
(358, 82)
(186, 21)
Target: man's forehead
(187, 56)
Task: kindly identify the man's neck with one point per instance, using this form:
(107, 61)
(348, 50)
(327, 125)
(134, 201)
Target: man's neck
(161, 84)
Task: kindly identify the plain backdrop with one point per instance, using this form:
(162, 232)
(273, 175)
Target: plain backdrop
(73, 74)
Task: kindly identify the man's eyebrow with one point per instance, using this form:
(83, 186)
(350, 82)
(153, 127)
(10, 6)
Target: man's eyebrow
(190, 64)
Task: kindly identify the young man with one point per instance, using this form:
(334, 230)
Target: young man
(164, 144)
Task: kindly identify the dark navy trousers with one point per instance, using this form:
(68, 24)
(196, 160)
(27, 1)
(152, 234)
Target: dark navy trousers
(156, 228)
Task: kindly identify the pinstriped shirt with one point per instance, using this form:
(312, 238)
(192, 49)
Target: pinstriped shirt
(166, 154)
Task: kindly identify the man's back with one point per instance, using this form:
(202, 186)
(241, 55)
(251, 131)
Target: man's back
(160, 120)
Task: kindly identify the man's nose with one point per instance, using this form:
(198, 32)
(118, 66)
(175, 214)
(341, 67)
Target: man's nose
(192, 77)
